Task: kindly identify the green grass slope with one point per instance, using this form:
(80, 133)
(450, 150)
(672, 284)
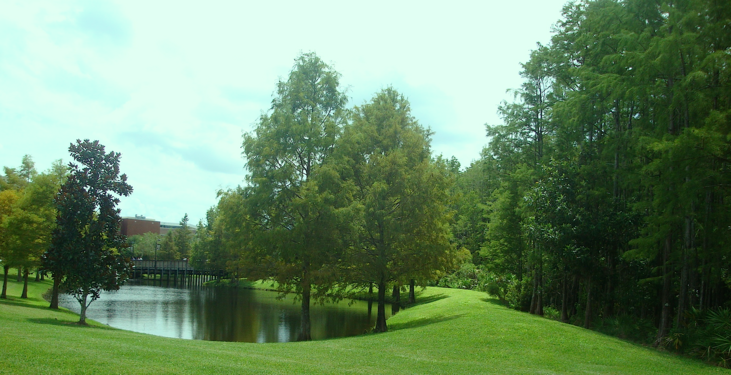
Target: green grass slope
(448, 332)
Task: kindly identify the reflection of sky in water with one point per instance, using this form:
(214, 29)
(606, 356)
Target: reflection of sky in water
(221, 314)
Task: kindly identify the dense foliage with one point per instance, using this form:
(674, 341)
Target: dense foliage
(27, 216)
(84, 254)
(604, 193)
(337, 200)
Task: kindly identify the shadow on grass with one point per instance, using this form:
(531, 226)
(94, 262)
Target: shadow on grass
(429, 299)
(494, 301)
(56, 322)
(423, 321)
(67, 323)
(65, 317)
(31, 304)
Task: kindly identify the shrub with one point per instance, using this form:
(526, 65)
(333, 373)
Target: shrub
(706, 334)
(468, 276)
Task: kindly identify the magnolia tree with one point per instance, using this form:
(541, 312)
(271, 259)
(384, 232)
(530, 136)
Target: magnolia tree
(84, 255)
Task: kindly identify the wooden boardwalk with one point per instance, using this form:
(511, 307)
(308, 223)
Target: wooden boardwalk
(175, 270)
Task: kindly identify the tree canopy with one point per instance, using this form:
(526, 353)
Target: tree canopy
(85, 248)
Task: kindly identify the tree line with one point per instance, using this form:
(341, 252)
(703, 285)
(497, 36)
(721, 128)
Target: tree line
(65, 222)
(602, 197)
(604, 194)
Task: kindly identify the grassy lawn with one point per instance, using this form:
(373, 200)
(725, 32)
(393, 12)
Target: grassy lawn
(448, 332)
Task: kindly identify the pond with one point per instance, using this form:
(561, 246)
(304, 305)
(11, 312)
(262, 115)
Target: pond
(223, 314)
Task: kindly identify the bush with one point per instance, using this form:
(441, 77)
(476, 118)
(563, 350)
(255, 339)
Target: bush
(468, 276)
(706, 334)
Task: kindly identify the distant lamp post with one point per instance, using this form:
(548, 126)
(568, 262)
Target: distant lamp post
(157, 247)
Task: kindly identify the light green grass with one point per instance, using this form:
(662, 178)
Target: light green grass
(449, 332)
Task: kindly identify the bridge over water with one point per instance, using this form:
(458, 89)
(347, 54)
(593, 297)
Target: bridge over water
(179, 271)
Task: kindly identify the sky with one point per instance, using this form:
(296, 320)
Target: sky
(172, 85)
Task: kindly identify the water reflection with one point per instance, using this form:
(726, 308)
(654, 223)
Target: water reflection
(222, 314)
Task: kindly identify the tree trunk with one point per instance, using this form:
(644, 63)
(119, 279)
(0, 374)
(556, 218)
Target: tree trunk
(564, 302)
(587, 312)
(305, 332)
(381, 317)
(4, 294)
(305, 328)
(20, 274)
(534, 294)
(84, 305)
(683, 287)
(539, 307)
(396, 294)
(25, 283)
(396, 297)
(412, 294)
(54, 292)
(665, 309)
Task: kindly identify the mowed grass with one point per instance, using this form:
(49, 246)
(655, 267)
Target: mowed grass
(448, 332)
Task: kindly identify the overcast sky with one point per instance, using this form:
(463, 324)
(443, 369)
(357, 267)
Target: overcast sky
(172, 85)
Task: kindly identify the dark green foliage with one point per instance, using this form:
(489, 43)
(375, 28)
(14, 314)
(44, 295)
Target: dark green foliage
(603, 196)
(706, 334)
(86, 243)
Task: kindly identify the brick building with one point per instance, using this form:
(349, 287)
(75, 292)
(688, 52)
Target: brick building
(139, 225)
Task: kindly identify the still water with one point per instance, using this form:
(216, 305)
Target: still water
(223, 314)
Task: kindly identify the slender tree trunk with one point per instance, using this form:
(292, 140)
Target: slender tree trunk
(587, 312)
(84, 305)
(38, 275)
(4, 294)
(396, 294)
(682, 296)
(381, 317)
(564, 297)
(539, 308)
(610, 285)
(54, 292)
(396, 297)
(26, 272)
(665, 309)
(20, 274)
(412, 292)
(534, 295)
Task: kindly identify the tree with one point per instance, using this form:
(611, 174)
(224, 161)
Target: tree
(144, 244)
(402, 227)
(285, 153)
(86, 243)
(31, 222)
(182, 238)
(168, 250)
(15, 179)
(7, 201)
